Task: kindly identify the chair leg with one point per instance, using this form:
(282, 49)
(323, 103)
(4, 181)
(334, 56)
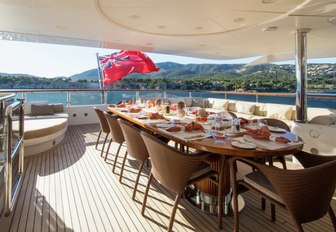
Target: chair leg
(122, 167)
(233, 171)
(116, 157)
(146, 194)
(108, 148)
(172, 216)
(98, 139)
(221, 178)
(283, 162)
(137, 179)
(102, 151)
(332, 217)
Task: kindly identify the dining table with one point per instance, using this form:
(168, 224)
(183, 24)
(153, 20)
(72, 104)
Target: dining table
(222, 145)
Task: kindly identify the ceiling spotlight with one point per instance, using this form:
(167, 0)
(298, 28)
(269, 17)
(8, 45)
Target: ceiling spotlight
(161, 27)
(332, 21)
(198, 28)
(238, 20)
(134, 17)
(270, 29)
(268, 1)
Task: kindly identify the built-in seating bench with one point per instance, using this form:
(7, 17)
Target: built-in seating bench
(44, 126)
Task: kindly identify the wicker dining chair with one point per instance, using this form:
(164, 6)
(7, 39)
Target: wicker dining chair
(296, 190)
(280, 124)
(135, 148)
(175, 170)
(104, 128)
(117, 136)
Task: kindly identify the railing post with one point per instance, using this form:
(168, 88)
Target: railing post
(68, 98)
(190, 94)
(257, 98)
(164, 94)
(137, 95)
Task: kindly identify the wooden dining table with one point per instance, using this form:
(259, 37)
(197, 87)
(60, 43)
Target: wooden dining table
(221, 149)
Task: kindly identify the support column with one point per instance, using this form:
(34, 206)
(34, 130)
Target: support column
(301, 75)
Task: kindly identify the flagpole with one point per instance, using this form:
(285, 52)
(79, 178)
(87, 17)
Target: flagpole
(100, 75)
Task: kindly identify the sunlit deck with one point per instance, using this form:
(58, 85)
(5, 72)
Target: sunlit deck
(72, 189)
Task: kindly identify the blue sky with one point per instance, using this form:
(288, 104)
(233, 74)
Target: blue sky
(49, 60)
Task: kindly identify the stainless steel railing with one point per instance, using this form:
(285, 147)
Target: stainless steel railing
(13, 149)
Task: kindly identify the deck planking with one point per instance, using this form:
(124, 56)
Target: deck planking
(72, 188)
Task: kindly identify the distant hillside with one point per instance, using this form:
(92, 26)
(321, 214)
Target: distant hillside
(90, 75)
(171, 70)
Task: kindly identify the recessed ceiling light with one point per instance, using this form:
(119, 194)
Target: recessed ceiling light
(238, 20)
(61, 27)
(270, 29)
(202, 45)
(332, 21)
(161, 27)
(198, 28)
(134, 17)
(268, 1)
(149, 44)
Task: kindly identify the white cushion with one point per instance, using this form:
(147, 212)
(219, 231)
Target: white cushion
(188, 101)
(245, 107)
(220, 104)
(27, 105)
(279, 111)
(175, 100)
(324, 119)
(200, 102)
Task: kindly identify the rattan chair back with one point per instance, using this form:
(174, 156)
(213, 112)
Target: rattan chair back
(170, 167)
(134, 143)
(306, 193)
(116, 132)
(104, 127)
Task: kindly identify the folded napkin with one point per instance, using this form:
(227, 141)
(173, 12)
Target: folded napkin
(193, 126)
(121, 105)
(173, 107)
(281, 139)
(135, 110)
(201, 119)
(156, 116)
(112, 106)
(174, 129)
(262, 133)
(246, 121)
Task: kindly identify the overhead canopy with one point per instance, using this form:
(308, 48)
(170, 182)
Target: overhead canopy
(206, 29)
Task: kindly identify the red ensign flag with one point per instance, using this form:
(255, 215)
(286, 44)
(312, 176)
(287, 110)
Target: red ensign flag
(120, 64)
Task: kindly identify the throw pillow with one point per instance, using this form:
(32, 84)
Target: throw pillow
(42, 110)
(245, 108)
(283, 112)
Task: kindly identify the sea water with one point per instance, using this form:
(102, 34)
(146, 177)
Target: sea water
(94, 97)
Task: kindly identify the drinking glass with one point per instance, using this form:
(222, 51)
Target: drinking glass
(261, 123)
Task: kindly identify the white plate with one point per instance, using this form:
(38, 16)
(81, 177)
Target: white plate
(243, 145)
(163, 125)
(277, 130)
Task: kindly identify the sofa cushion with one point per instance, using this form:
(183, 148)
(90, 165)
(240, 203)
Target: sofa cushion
(200, 102)
(188, 101)
(245, 107)
(324, 119)
(175, 100)
(42, 109)
(58, 108)
(220, 104)
(278, 111)
(27, 105)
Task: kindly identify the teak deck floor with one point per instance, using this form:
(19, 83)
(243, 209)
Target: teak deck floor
(72, 188)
